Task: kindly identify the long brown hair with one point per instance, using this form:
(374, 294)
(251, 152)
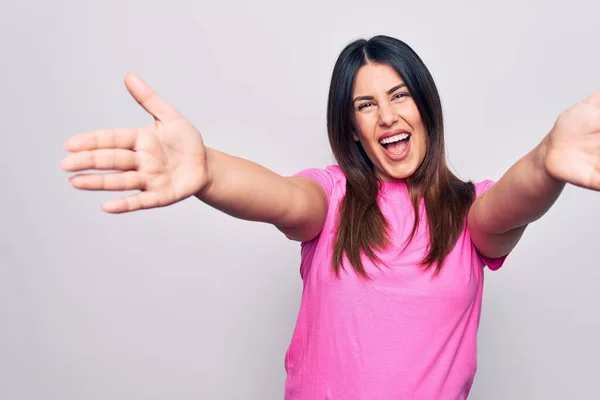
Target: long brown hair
(362, 228)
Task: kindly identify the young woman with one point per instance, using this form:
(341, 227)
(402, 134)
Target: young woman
(393, 244)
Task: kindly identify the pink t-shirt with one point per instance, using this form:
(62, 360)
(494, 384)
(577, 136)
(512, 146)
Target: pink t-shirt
(403, 335)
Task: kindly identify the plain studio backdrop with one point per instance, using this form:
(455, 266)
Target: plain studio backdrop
(185, 302)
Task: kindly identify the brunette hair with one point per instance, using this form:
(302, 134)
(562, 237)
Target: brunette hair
(362, 228)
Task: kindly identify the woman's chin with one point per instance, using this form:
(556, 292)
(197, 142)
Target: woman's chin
(394, 174)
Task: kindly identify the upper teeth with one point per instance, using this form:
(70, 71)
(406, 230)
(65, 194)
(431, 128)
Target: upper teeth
(394, 138)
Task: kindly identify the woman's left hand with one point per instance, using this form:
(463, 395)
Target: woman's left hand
(572, 148)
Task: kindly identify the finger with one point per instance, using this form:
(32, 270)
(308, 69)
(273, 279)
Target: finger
(148, 99)
(105, 159)
(103, 139)
(142, 200)
(594, 99)
(130, 180)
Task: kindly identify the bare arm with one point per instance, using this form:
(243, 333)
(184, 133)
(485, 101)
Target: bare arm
(499, 217)
(570, 153)
(243, 189)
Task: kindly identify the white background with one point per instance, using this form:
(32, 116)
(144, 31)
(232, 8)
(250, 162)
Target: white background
(185, 302)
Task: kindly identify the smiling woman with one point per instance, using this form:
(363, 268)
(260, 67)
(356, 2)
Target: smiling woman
(394, 245)
(397, 134)
(375, 114)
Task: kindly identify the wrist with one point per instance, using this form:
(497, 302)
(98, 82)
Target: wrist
(541, 155)
(208, 179)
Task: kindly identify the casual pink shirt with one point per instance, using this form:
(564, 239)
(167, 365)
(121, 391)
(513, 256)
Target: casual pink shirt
(403, 335)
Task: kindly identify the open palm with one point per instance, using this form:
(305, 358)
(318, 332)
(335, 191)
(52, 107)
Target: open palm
(164, 161)
(573, 145)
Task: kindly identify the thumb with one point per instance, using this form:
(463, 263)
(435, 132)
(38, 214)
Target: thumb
(147, 98)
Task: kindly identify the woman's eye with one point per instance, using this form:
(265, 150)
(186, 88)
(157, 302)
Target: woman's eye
(400, 95)
(364, 105)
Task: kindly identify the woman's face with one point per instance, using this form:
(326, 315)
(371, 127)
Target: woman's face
(388, 123)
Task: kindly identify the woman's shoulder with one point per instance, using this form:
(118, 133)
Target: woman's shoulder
(327, 177)
(336, 172)
(332, 171)
(482, 186)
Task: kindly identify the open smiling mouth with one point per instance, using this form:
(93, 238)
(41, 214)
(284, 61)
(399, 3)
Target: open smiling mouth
(396, 144)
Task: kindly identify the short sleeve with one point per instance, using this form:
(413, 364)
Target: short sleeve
(492, 263)
(325, 177)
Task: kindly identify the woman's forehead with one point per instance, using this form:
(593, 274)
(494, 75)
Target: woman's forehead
(376, 78)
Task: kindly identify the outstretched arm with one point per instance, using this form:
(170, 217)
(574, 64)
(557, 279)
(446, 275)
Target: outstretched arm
(167, 162)
(297, 206)
(570, 153)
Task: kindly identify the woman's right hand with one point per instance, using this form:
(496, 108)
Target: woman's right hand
(165, 161)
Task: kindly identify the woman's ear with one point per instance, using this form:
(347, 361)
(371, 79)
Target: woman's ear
(355, 137)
